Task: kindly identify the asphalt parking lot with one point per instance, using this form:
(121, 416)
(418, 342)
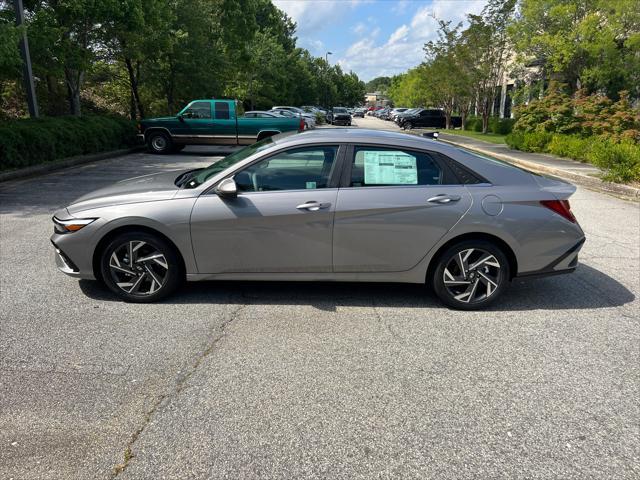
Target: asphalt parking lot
(283, 380)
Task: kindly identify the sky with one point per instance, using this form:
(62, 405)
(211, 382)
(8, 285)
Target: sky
(373, 37)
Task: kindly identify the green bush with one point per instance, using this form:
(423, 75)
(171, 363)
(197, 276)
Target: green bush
(501, 126)
(33, 141)
(620, 161)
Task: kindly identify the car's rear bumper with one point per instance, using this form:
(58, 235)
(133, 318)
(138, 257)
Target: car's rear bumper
(565, 263)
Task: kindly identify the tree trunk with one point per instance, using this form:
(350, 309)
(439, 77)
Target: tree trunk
(447, 120)
(74, 83)
(133, 83)
(485, 120)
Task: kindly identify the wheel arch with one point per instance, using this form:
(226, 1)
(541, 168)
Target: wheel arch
(266, 133)
(500, 243)
(104, 241)
(156, 129)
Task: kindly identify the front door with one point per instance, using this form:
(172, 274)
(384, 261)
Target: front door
(281, 221)
(196, 123)
(394, 210)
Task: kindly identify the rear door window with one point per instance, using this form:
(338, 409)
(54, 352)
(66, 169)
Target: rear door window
(377, 166)
(222, 111)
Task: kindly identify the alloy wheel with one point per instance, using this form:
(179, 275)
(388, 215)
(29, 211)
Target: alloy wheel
(472, 275)
(138, 268)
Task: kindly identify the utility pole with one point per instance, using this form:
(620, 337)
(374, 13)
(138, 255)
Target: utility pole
(27, 71)
(326, 80)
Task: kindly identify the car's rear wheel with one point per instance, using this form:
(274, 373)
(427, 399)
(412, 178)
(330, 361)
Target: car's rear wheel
(159, 142)
(470, 275)
(140, 267)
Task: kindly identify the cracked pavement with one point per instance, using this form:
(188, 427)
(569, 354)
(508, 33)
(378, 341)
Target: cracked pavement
(284, 380)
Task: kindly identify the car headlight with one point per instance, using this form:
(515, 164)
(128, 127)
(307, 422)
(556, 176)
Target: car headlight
(73, 225)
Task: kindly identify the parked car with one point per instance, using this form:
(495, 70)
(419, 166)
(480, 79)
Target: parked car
(262, 114)
(433, 118)
(310, 118)
(406, 113)
(339, 116)
(210, 122)
(308, 122)
(359, 112)
(330, 204)
(395, 112)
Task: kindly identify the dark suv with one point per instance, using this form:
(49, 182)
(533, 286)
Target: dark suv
(339, 116)
(426, 117)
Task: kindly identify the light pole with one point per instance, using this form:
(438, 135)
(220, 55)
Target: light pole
(326, 79)
(32, 101)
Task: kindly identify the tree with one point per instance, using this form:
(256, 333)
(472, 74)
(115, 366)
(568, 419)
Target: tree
(587, 44)
(488, 36)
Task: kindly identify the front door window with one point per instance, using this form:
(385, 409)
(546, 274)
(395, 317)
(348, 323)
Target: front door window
(306, 168)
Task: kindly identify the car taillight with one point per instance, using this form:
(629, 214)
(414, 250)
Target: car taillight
(302, 125)
(561, 207)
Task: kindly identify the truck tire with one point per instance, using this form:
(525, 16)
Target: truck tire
(159, 142)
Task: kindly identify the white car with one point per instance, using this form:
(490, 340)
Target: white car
(309, 118)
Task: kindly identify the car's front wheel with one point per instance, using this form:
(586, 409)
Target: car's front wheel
(140, 267)
(407, 125)
(159, 142)
(471, 275)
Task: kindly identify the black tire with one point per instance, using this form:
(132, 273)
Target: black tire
(170, 279)
(499, 275)
(407, 125)
(159, 142)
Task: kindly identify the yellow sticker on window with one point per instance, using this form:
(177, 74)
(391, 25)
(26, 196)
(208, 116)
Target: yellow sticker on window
(390, 168)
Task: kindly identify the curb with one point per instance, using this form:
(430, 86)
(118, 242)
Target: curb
(591, 183)
(64, 163)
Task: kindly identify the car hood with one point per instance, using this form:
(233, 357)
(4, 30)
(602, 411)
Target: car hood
(147, 188)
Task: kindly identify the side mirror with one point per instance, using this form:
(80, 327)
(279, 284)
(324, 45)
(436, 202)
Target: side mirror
(227, 188)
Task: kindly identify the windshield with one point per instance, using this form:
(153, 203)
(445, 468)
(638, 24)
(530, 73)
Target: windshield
(339, 110)
(215, 168)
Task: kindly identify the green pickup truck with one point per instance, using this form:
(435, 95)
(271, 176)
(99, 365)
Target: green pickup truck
(211, 122)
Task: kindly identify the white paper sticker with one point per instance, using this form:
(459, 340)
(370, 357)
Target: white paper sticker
(390, 168)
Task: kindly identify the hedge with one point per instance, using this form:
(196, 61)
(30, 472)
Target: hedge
(29, 142)
(501, 126)
(619, 160)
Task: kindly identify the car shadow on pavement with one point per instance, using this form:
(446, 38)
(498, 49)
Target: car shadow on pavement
(587, 288)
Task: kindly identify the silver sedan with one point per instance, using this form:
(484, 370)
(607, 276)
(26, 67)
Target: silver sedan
(326, 205)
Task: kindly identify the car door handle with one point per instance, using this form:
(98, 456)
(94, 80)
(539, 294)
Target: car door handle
(313, 206)
(443, 198)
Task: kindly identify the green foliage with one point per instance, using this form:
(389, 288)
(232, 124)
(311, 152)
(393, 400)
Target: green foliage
(381, 84)
(150, 57)
(589, 43)
(619, 160)
(501, 126)
(33, 141)
(583, 115)
(529, 141)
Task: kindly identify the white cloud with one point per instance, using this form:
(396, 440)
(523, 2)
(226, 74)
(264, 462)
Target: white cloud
(399, 35)
(359, 28)
(312, 15)
(403, 48)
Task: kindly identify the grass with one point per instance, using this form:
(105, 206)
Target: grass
(485, 137)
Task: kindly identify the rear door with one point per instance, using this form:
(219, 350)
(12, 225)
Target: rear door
(392, 208)
(224, 123)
